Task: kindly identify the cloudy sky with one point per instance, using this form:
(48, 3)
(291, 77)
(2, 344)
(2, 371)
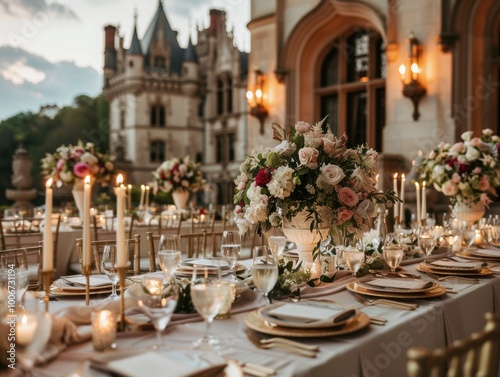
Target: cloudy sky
(52, 50)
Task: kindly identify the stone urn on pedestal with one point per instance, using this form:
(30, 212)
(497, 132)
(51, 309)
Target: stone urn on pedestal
(21, 180)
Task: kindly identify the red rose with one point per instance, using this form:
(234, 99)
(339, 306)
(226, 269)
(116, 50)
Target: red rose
(263, 177)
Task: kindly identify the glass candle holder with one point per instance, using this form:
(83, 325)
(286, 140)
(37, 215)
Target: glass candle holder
(229, 291)
(103, 330)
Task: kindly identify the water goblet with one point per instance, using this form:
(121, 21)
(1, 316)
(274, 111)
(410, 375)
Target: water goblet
(393, 255)
(469, 235)
(354, 260)
(109, 266)
(277, 242)
(158, 300)
(14, 273)
(230, 250)
(426, 240)
(264, 270)
(451, 236)
(207, 296)
(32, 329)
(169, 253)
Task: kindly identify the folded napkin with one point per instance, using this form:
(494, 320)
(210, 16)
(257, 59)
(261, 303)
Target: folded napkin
(157, 364)
(455, 264)
(312, 312)
(399, 283)
(94, 281)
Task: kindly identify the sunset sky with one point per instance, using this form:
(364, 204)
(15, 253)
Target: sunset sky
(52, 50)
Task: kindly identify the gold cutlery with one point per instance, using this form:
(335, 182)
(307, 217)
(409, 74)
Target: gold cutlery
(290, 342)
(394, 304)
(378, 321)
(298, 351)
(254, 369)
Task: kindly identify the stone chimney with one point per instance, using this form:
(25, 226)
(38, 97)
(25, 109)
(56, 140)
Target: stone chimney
(217, 20)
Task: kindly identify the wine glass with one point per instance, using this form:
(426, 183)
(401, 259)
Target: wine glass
(393, 254)
(230, 250)
(109, 266)
(264, 270)
(32, 329)
(469, 235)
(158, 300)
(426, 240)
(207, 296)
(169, 253)
(451, 236)
(277, 242)
(14, 273)
(354, 260)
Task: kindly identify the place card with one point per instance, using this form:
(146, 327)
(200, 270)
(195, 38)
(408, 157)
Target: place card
(406, 284)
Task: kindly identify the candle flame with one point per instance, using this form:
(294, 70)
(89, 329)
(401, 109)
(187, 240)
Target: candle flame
(24, 319)
(416, 184)
(147, 188)
(423, 184)
(87, 180)
(395, 175)
(129, 187)
(403, 177)
(143, 187)
(119, 179)
(49, 183)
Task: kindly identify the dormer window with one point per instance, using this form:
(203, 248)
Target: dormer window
(160, 65)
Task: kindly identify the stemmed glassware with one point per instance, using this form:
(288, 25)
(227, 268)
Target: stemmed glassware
(109, 266)
(469, 235)
(277, 242)
(158, 300)
(32, 329)
(264, 270)
(169, 253)
(450, 235)
(230, 250)
(207, 296)
(426, 240)
(354, 260)
(393, 253)
(14, 273)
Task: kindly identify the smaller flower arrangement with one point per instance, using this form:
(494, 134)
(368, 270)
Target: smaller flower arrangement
(179, 175)
(467, 171)
(70, 164)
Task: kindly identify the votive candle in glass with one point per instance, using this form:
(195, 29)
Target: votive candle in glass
(103, 330)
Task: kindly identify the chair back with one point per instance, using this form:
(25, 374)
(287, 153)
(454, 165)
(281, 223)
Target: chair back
(33, 255)
(475, 356)
(132, 245)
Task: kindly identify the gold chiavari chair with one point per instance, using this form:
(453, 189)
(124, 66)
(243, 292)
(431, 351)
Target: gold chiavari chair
(33, 256)
(133, 246)
(475, 356)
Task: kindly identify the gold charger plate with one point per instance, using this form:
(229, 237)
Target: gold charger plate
(257, 323)
(485, 271)
(435, 292)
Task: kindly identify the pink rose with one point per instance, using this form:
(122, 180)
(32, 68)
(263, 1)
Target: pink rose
(477, 170)
(432, 155)
(348, 197)
(81, 170)
(60, 164)
(449, 188)
(309, 157)
(455, 178)
(458, 147)
(328, 145)
(343, 215)
(484, 183)
(476, 142)
(302, 127)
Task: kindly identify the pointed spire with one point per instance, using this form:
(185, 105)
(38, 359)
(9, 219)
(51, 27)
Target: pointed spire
(190, 54)
(135, 44)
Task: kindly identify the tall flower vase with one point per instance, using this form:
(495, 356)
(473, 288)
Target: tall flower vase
(465, 210)
(181, 198)
(77, 192)
(298, 230)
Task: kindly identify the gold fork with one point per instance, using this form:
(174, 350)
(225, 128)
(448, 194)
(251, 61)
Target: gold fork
(265, 340)
(298, 351)
(394, 304)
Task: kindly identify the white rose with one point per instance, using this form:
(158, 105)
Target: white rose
(488, 132)
(89, 159)
(332, 174)
(366, 209)
(466, 136)
(472, 154)
(285, 148)
(66, 176)
(438, 171)
(309, 157)
(449, 188)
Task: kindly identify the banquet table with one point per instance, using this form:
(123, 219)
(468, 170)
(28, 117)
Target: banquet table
(373, 351)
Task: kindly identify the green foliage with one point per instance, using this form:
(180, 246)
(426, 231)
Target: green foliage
(289, 279)
(86, 120)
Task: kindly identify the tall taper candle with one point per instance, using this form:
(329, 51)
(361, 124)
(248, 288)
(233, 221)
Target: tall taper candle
(377, 182)
(147, 195)
(121, 260)
(48, 241)
(424, 203)
(402, 197)
(87, 254)
(396, 205)
(419, 210)
(129, 197)
(141, 203)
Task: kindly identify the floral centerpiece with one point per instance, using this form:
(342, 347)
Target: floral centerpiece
(467, 171)
(310, 171)
(70, 164)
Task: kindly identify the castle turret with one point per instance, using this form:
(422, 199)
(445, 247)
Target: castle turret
(135, 59)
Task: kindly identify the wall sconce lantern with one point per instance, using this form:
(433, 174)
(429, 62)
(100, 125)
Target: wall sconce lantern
(412, 87)
(256, 99)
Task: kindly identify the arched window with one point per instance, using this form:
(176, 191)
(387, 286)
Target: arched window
(220, 96)
(159, 64)
(229, 95)
(157, 116)
(157, 151)
(351, 87)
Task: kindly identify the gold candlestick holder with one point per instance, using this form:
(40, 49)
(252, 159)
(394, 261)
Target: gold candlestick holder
(122, 272)
(47, 281)
(87, 270)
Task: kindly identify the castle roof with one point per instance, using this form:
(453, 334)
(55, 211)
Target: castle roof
(135, 45)
(190, 53)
